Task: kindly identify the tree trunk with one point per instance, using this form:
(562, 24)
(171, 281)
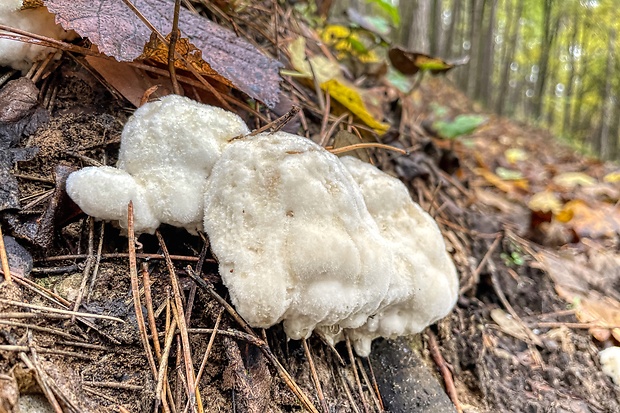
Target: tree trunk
(604, 145)
(437, 27)
(448, 46)
(572, 61)
(510, 49)
(550, 29)
(486, 72)
(476, 10)
(415, 25)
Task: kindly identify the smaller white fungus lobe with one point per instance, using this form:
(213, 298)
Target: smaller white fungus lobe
(168, 149)
(610, 362)
(21, 55)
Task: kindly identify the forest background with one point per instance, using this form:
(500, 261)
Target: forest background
(548, 62)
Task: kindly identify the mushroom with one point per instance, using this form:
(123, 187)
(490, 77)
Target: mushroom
(302, 237)
(610, 363)
(168, 149)
(21, 55)
(293, 237)
(424, 285)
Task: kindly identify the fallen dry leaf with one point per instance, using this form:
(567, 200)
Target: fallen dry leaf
(119, 33)
(596, 219)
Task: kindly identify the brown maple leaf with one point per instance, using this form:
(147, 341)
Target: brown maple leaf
(119, 33)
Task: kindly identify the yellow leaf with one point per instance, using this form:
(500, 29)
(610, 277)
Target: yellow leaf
(597, 220)
(322, 67)
(612, 177)
(499, 183)
(570, 180)
(514, 155)
(349, 96)
(545, 202)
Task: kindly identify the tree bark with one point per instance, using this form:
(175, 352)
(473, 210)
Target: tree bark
(572, 49)
(603, 144)
(550, 29)
(486, 72)
(510, 48)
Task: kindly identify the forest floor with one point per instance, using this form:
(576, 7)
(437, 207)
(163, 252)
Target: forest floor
(531, 225)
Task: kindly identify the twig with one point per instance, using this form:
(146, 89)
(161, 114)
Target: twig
(315, 376)
(274, 125)
(146, 281)
(347, 390)
(126, 255)
(35, 327)
(376, 386)
(174, 35)
(58, 311)
(356, 146)
(89, 263)
(203, 364)
(325, 137)
(113, 385)
(473, 280)
(357, 377)
(135, 289)
(4, 260)
(178, 306)
(9, 347)
(177, 55)
(374, 397)
(445, 371)
(93, 278)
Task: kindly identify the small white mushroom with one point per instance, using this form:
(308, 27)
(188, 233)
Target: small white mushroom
(610, 363)
(21, 55)
(168, 149)
(293, 237)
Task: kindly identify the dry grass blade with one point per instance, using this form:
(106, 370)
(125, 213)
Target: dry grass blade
(146, 282)
(135, 290)
(178, 307)
(4, 259)
(174, 35)
(356, 375)
(276, 124)
(474, 278)
(58, 311)
(375, 386)
(39, 328)
(315, 377)
(203, 364)
(374, 396)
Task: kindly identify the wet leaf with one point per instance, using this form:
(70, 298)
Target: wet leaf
(119, 33)
(409, 63)
(20, 260)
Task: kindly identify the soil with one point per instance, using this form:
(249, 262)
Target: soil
(97, 365)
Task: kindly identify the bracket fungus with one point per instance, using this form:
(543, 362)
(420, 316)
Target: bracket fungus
(302, 237)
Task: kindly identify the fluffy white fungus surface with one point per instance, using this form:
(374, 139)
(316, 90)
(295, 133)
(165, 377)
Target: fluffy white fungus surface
(424, 285)
(168, 149)
(21, 55)
(293, 237)
(301, 236)
(610, 362)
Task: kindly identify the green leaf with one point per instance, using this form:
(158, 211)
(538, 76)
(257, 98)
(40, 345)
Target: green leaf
(388, 8)
(461, 125)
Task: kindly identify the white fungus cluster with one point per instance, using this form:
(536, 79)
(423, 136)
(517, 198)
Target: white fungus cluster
(21, 55)
(301, 236)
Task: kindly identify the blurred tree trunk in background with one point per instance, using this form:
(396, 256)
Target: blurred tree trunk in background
(415, 16)
(475, 30)
(602, 145)
(513, 15)
(487, 50)
(437, 32)
(572, 49)
(550, 29)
